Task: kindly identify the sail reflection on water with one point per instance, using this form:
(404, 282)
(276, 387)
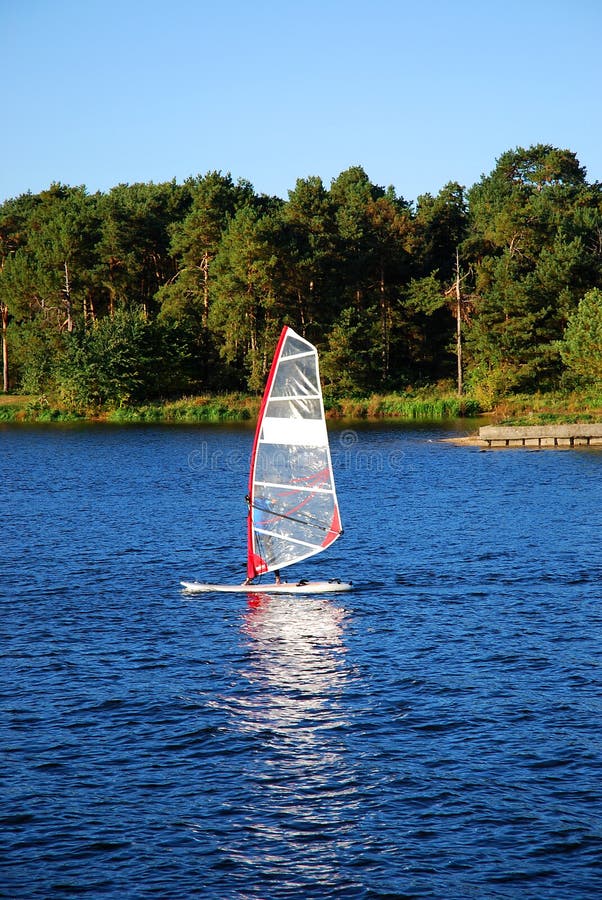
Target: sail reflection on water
(297, 665)
(303, 783)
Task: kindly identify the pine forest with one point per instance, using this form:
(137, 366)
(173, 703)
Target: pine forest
(163, 291)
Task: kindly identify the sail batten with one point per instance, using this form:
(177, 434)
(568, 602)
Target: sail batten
(290, 356)
(291, 484)
(292, 540)
(298, 487)
(296, 397)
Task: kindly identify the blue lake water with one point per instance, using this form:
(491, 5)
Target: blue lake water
(435, 733)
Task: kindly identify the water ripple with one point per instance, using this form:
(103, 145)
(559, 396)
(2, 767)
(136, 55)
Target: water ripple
(434, 734)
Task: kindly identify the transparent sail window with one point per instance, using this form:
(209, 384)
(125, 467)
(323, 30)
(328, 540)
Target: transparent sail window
(297, 408)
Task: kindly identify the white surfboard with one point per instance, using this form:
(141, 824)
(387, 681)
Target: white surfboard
(301, 587)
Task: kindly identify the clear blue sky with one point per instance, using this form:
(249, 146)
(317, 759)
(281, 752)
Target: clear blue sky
(419, 93)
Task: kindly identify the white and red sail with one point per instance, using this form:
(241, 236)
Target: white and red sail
(293, 508)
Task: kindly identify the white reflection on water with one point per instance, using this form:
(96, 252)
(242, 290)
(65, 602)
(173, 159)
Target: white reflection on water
(297, 666)
(303, 785)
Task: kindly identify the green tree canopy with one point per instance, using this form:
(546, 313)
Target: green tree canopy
(533, 255)
(581, 347)
(121, 359)
(195, 240)
(218, 269)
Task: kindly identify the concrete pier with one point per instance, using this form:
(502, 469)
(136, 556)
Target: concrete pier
(581, 435)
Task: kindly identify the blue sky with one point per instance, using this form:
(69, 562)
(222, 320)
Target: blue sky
(100, 92)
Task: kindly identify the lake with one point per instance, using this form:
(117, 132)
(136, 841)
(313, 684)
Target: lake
(434, 733)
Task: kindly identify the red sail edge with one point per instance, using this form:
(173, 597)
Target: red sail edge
(335, 530)
(255, 564)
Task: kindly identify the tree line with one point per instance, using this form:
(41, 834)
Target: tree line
(160, 290)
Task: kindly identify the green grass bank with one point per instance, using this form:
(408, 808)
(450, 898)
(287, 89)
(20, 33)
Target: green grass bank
(420, 404)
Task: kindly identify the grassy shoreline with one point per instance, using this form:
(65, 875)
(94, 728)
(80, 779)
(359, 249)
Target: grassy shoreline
(416, 405)
(237, 408)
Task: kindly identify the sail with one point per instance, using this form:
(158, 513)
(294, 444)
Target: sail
(293, 508)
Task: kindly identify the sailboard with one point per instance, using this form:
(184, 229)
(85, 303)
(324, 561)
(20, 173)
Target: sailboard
(285, 587)
(293, 510)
